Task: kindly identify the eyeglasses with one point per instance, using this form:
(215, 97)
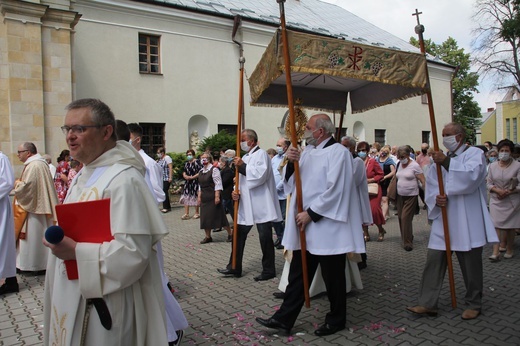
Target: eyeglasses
(76, 129)
(22, 151)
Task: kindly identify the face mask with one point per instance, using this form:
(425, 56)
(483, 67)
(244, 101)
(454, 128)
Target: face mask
(244, 146)
(204, 161)
(309, 139)
(492, 159)
(424, 151)
(383, 154)
(450, 142)
(503, 156)
(230, 159)
(404, 161)
(362, 154)
(279, 150)
(189, 157)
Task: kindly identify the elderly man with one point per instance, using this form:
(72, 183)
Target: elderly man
(7, 243)
(464, 177)
(124, 272)
(35, 193)
(258, 205)
(331, 220)
(276, 161)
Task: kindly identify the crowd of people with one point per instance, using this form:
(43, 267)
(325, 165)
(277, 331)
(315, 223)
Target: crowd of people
(346, 187)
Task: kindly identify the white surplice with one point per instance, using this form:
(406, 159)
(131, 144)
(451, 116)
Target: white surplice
(153, 176)
(124, 272)
(7, 243)
(333, 196)
(469, 222)
(258, 196)
(360, 182)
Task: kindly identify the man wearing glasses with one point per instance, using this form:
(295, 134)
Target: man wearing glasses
(123, 272)
(35, 193)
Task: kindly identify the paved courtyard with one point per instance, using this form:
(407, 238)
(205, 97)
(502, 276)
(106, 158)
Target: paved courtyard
(223, 310)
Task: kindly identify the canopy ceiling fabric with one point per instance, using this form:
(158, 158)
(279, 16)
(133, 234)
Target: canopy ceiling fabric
(325, 70)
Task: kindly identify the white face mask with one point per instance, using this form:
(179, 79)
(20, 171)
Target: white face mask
(279, 150)
(404, 161)
(450, 142)
(309, 139)
(503, 156)
(244, 146)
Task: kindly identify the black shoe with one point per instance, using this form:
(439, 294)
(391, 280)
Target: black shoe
(279, 295)
(11, 288)
(233, 272)
(263, 277)
(177, 342)
(217, 230)
(274, 324)
(279, 246)
(408, 248)
(229, 238)
(277, 242)
(362, 265)
(327, 329)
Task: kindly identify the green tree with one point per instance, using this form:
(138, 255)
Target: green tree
(466, 110)
(497, 40)
(218, 141)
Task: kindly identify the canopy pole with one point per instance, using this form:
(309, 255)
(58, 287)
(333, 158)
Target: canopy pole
(294, 142)
(240, 124)
(340, 126)
(419, 30)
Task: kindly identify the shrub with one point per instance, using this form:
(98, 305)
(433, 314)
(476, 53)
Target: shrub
(218, 141)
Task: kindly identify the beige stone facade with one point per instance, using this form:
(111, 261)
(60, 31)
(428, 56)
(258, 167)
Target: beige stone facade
(35, 74)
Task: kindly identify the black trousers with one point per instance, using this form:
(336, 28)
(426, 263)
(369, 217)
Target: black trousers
(166, 202)
(265, 236)
(333, 273)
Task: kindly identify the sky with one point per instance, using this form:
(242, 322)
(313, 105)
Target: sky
(441, 19)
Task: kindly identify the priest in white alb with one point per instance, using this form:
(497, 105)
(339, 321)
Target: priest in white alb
(332, 221)
(122, 273)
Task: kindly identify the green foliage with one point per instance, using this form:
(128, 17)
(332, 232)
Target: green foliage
(218, 141)
(466, 110)
(178, 160)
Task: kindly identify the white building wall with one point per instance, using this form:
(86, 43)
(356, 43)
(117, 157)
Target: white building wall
(200, 75)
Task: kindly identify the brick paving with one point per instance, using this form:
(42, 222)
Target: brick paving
(222, 310)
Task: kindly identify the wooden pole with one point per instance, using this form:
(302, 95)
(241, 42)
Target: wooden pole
(294, 142)
(340, 126)
(240, 125)
(419, 30)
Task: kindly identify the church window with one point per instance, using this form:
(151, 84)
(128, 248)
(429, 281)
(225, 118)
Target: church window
(149, 54)
(380, 136)
(153, 137)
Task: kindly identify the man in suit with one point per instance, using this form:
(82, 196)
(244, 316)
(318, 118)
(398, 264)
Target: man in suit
(331, 219)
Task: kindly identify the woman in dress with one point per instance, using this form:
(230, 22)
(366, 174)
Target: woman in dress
(408, 173)
(61, 178)
(166, 163)
(388, 167)
(213, 215)
(191, 186)
(504, 204)
(374, 175)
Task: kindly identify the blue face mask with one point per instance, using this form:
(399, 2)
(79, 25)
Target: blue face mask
(362, 154)
(492, 159)
(189, 157)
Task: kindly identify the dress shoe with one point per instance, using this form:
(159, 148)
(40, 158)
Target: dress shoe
(408, 248)
(229, 238)
(277, 242)
(273, 324)
(279, 295)
(233, 272)
(470, 314)
(263, 277)
(327, 329)
(279, 247)
(11, 288)
(421, 310)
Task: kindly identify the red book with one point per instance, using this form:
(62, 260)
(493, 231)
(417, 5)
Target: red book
(84, 222)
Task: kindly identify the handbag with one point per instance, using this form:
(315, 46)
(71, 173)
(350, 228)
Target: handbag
(391, 191)
(20, 217)
(373, 189)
